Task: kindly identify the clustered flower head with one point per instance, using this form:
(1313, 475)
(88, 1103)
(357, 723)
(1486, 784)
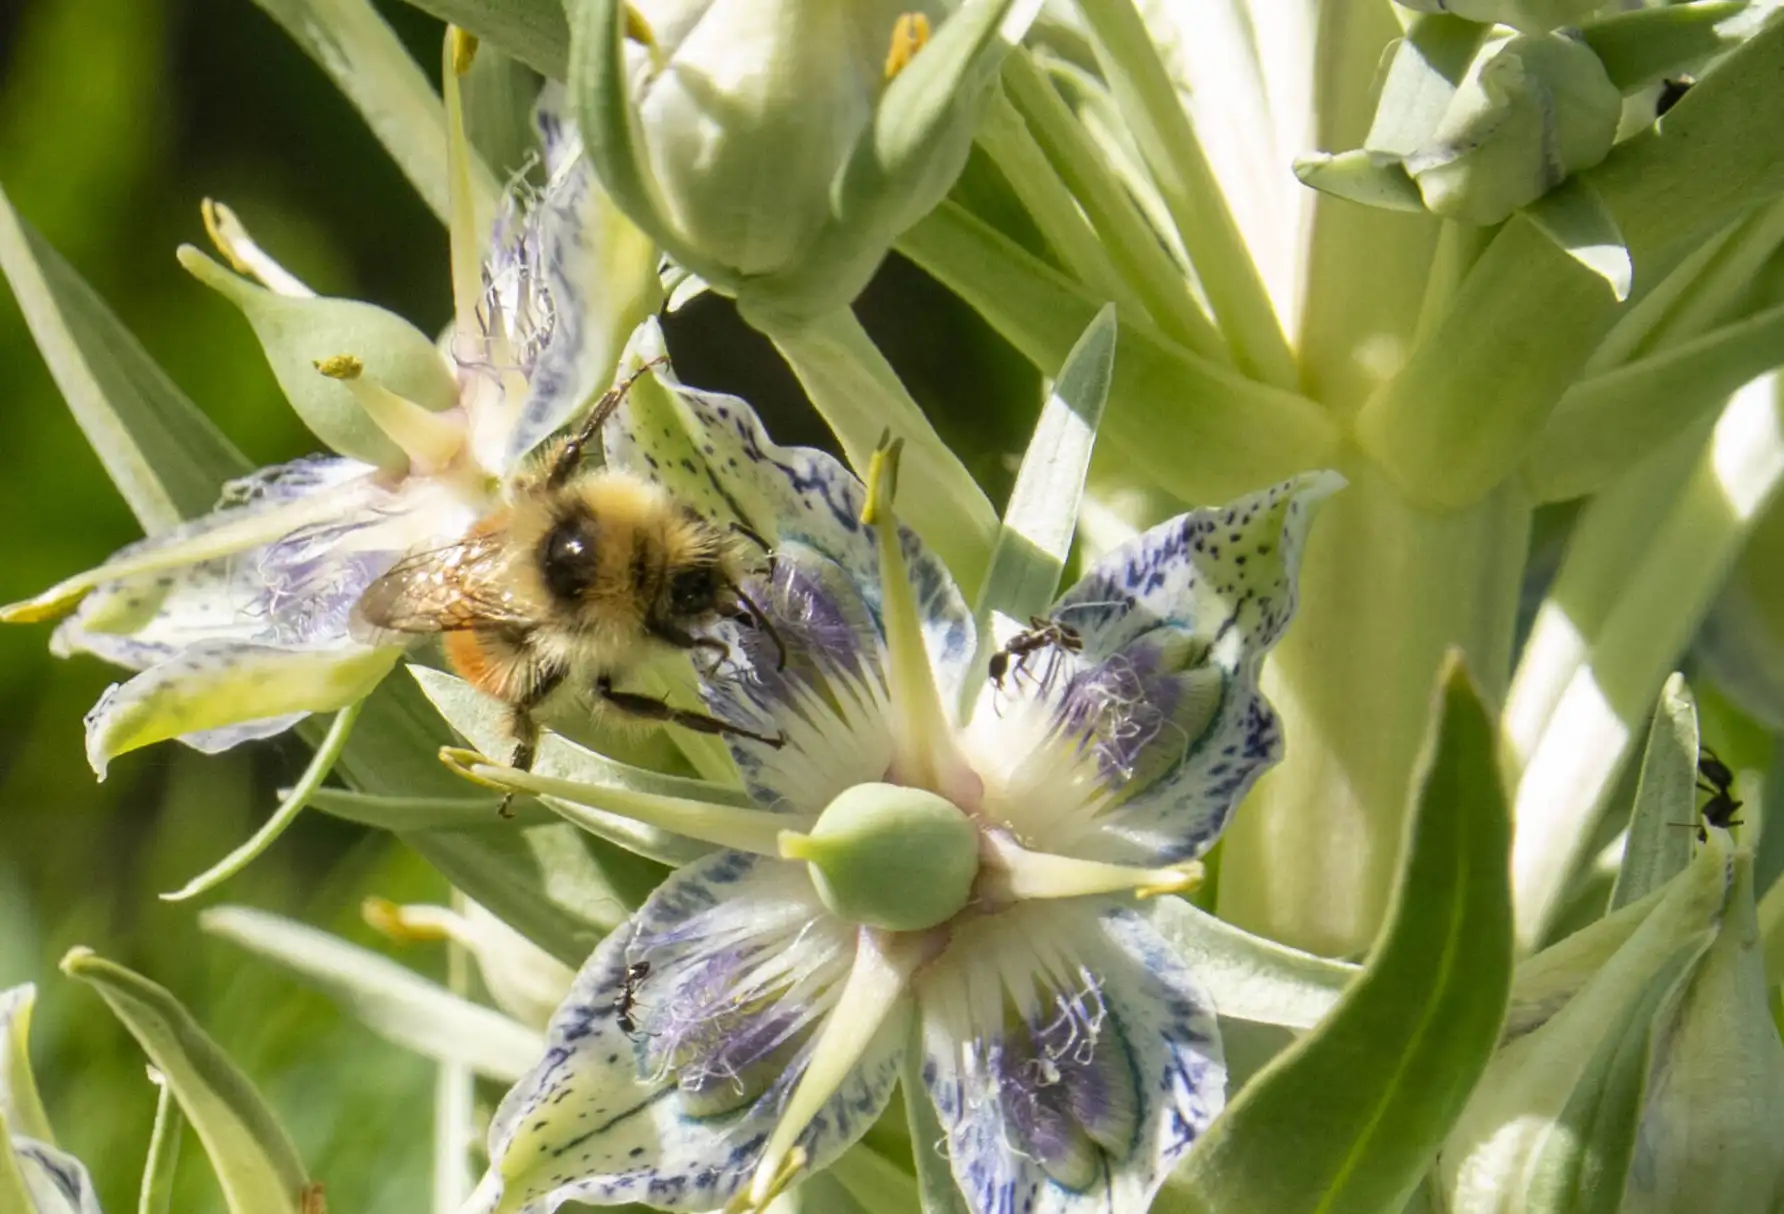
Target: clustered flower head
(930, 845)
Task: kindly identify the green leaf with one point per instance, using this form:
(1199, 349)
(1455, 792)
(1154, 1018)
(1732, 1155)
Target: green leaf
(290, 805)
(366, 61)
(1351, 1116)
(1041, 518)
(166, 458)
(156, 1194)
(1637, 48)
(396, 1003)
(1189, 425)
(1659, 841)
(255, 1162)
(1545, 982)
(533, 31)
(1249, 977)
(1606, 424)
(936, 1190)
(1576, 219)
(1173, 155)
(1483, 379)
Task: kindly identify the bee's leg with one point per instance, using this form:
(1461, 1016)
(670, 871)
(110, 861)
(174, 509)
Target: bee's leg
(650, 708)
(570, 457)
(526, 729)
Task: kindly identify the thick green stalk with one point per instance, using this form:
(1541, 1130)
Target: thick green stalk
(1386, 589)
(1174, 156)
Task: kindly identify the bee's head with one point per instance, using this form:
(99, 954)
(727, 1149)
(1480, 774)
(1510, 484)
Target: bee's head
(566, 556)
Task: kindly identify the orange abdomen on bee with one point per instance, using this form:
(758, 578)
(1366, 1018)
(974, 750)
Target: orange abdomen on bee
(497, 665)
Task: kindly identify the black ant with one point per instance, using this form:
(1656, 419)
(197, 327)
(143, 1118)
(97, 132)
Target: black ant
(1672, 91)
(626, 1001)
(1715, 778)
(1041, 634)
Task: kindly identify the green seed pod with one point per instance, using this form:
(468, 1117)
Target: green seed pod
(1532, 110)
(890, 857)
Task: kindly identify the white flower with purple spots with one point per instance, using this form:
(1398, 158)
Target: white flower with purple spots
(237, 622)
(48, 1179)
(943, 876)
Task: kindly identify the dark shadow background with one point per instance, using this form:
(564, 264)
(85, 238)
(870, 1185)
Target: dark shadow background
(116, 118)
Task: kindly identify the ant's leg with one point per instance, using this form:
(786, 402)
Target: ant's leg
(650, 708)
(570, 458)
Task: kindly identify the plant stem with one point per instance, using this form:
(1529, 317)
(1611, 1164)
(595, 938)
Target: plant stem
(1387, 588)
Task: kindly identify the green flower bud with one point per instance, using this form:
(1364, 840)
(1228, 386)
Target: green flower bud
(1645, 1075)
(1532, 110)
(299, 332)
(897, 858)
(1531, 15)
(777, 147)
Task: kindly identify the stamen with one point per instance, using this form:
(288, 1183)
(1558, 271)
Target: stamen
(875, 985)
(1012, 873)
(924, 752)
(909, 35)
(238, 248)
(412, 924)
(750, 830)
(430, 440)
(225, 540)
(464, 232)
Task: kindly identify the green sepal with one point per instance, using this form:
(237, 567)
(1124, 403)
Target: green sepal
(1361, 176)
(902, 164)
(1349, 1117)
(1637, 48)
(297, 333)
(1658, 844)
(1576, 219)
(255, 1162)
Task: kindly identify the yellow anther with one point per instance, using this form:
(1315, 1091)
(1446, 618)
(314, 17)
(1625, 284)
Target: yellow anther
(461, 49)
(216, 217)
(882, 480)
(400, 923)
(909, 34)
(341, 366)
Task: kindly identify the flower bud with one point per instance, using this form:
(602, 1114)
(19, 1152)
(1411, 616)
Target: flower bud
(1531, 110)
(777, 147)
(1656, 1085)
(887, 856)
(1533, 16)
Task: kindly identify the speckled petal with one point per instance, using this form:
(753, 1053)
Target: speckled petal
(1071, 1060)
(829, 700)
(742, 965)
(571, 283)
(210, 689)
(1137, 748)
(57, 1182)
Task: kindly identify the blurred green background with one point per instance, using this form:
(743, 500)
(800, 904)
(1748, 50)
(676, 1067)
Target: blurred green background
(116, 118)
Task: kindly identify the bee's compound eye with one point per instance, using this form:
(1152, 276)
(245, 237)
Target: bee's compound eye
(567, 559)
(693, 591)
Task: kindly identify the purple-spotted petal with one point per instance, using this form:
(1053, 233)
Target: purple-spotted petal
(56, 1181)
(570, 278)
(1071, 1060)
(1136, 748)
(217, 694)
(829, 698)
(733, 964)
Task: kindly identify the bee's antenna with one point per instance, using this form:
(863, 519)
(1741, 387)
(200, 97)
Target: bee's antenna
(570, 458)
(764, 624)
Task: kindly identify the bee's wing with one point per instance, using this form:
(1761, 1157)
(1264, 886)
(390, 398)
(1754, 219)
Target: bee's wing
(449, 589)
